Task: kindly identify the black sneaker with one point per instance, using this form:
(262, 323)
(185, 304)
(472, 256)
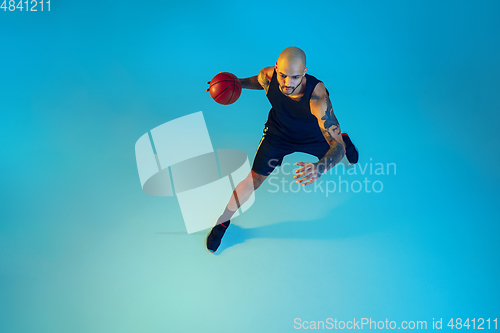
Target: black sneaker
(215, 236)
(350, 150)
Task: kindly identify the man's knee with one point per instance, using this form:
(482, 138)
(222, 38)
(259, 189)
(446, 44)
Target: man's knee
(257, 179)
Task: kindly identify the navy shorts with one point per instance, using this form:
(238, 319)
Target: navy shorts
(271, 151)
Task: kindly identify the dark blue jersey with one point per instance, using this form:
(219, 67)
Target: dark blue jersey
(291, 120)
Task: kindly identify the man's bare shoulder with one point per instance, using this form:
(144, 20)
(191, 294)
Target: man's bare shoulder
(268, 72)
(319, 92)
(265, 76)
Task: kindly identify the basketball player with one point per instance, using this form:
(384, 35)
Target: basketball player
(301, 120)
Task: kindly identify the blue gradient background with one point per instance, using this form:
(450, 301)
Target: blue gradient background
(83, 249)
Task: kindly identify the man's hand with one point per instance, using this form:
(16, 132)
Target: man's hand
(308, 171)
(208, 89)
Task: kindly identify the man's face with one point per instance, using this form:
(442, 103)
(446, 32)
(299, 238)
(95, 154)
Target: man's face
(289, 76)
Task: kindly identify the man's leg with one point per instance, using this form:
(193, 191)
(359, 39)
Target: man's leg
(268, 156)
(240, 195)
(245, 189)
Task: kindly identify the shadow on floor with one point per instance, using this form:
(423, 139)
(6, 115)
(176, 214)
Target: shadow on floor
(323, 229)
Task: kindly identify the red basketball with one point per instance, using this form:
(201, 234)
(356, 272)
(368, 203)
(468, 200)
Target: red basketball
(225, 88)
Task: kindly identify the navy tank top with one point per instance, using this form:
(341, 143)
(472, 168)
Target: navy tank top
(290, 120)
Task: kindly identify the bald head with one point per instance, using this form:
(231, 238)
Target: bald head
(291, 70)
(292, 56)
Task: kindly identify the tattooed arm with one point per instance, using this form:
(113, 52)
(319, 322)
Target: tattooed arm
(260, 81)
(321, 107)
(251, 83)
(257, 82)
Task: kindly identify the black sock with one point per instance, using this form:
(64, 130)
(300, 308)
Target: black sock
(225, 217)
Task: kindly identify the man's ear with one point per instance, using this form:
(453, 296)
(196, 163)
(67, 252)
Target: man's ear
(305, 71)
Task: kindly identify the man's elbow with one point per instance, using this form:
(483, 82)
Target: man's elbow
(339, 146)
